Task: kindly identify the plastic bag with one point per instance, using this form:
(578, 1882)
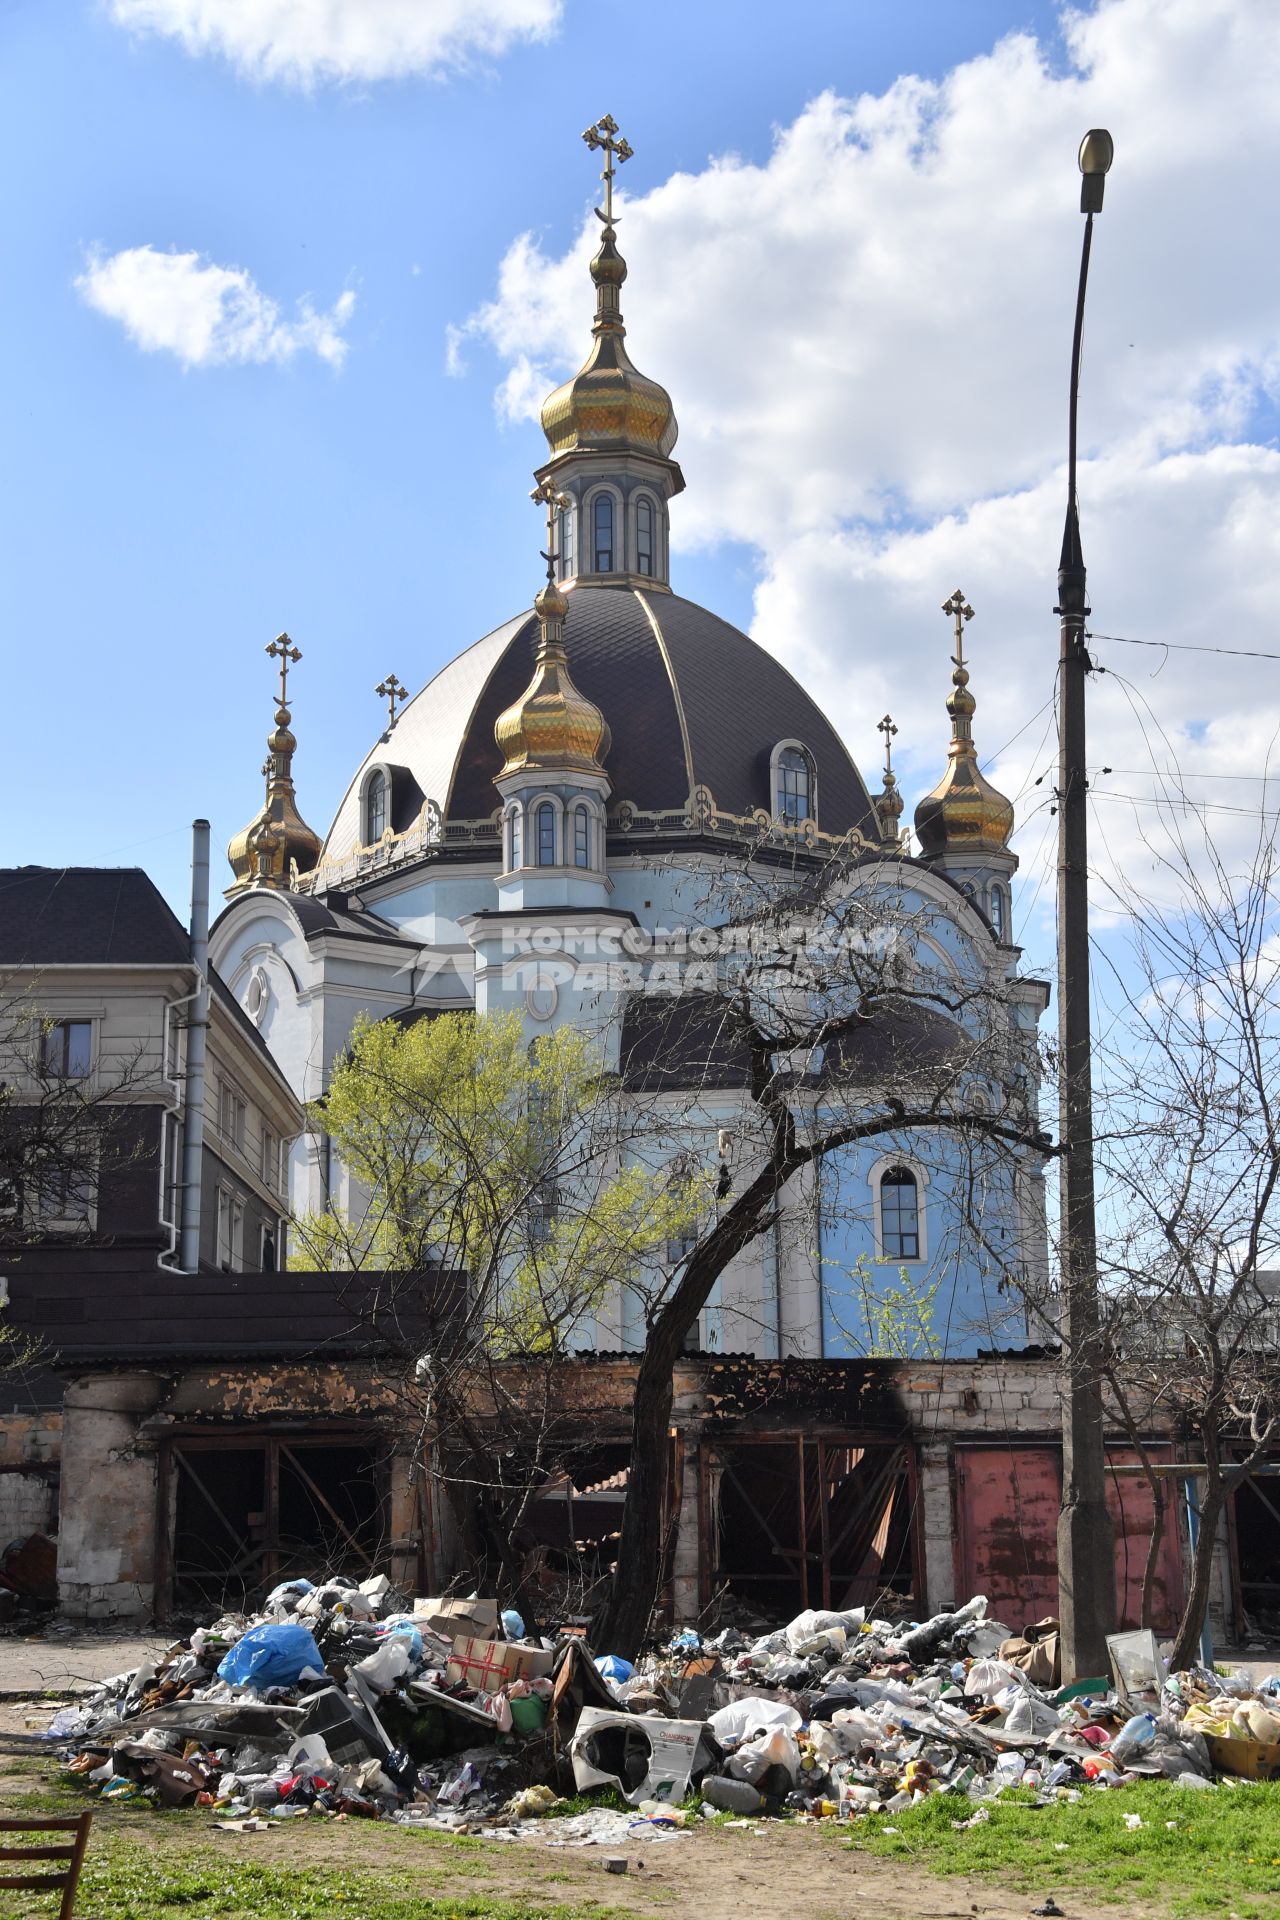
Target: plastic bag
(992, 1676)
(1030, 1718)
(755, 1757)
(614, 1667)
(271, 1656)
(390, 1663)
(741, 1717)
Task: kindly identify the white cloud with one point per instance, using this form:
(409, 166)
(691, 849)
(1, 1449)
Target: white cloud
(301, 42)
(867, 338)
(204, 314)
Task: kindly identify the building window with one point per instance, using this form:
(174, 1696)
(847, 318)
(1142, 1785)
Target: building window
(376, 808)
(581, 837)
(232, 1118)
(270, 1262)
(794, 798)
(517, 840)
(565, 543)
(997, 912)
(271, 1159)
(644, 535)
(64, 1189)
(545, 820)
(66, 1050)
(602, 531)
(899, 1215)
(230, 1231)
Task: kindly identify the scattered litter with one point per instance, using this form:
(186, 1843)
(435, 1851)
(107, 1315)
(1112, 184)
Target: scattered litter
(342, 1699)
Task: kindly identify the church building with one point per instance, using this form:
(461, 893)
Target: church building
(542, 825)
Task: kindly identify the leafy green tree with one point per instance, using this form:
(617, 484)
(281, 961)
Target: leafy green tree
(493, 1179)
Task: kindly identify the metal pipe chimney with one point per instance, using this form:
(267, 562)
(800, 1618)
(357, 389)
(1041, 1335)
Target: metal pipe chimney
(197, 1035)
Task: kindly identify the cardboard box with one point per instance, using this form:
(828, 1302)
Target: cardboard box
(477, 1618)
(1247, 1759)
(491, 1665)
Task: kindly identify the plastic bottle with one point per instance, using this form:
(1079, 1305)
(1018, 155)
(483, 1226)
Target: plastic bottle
(1136, 1736)
(730, 1796)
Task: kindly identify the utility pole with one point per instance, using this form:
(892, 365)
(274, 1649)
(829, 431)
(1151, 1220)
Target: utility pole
(1086, 1553)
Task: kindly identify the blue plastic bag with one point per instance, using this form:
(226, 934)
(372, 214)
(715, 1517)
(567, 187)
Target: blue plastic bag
(270, 1656)
(512, 1624)
(614, 1667)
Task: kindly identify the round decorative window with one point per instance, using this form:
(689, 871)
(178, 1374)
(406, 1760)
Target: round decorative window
(257, 996)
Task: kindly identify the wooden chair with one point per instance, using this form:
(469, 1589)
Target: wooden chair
(72, 1852)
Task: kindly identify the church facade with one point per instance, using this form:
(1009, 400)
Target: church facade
(552, 825)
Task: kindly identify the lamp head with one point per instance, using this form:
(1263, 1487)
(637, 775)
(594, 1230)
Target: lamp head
(1097, 151)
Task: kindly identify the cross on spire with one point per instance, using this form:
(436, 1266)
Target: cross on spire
(391, 691)
(960, 610)
(283, 650)
(547, 495)
(887, 728)
(600, 138)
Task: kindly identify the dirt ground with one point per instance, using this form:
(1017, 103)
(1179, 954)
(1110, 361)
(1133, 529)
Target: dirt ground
(721, 1873)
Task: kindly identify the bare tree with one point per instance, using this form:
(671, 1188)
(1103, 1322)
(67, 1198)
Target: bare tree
(842, 1005)
(1189, 1161)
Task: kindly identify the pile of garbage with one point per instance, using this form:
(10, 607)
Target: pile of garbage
(353, 1700)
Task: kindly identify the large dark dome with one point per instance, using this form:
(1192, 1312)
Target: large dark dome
(691, 701)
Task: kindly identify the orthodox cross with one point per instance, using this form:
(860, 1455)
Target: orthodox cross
(960, 610)
(283, 650)
(390, 690)
(887, 728)
(600, 139)
(548, 496)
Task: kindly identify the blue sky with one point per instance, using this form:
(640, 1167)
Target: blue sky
(166, 520)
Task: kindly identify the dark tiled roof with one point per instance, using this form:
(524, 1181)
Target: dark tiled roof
(696, 1040)
(299, 1315)
(86, 916)
(647, 660)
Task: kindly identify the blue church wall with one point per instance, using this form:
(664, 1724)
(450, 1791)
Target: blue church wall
(947, 1304)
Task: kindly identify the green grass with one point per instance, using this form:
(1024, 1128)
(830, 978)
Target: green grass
(130, 1885)
(1221, 1856)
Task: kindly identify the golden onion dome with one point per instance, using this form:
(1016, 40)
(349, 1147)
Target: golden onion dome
(608, 406)
(552, 725)
(964, 812)
(277, 839)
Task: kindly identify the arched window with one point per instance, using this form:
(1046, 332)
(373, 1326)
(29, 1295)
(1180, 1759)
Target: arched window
(517, 839)
(997, 912)
(581, 837)
(602, 532)
(375, 808)
(794, 798)
(899, 1215)
(545, 823)
(565, 543)
(644, 535)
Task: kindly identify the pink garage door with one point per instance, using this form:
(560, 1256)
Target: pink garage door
(1007, 1511)
(1007, 1501)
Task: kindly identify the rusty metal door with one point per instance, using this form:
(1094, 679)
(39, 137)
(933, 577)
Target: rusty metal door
(1007, 1501)
(1132, 1510)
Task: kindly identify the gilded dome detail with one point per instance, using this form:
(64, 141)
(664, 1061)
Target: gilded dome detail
(964, 812)
(552, 725)
(277, 843)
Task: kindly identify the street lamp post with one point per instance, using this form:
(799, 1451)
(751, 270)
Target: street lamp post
(1086, 1557)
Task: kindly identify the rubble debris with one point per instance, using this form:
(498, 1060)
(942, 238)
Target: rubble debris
(355, 1700)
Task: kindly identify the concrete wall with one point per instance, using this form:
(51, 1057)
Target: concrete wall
(30, 1446)
(107, 1524)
